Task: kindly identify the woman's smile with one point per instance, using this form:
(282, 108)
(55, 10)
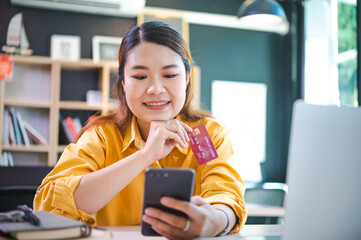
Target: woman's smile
(157, 105)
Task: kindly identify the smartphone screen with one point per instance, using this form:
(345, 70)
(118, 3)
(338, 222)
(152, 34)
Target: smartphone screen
(159, 182)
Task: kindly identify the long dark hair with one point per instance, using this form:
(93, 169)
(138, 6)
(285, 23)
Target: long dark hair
(154, 32)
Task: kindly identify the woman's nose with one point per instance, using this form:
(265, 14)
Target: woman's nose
(156, 87)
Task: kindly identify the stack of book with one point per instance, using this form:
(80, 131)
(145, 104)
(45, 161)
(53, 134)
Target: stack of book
(6, 159)
(17, 131)
(68, 129)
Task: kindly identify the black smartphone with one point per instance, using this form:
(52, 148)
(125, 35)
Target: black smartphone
(159, 182)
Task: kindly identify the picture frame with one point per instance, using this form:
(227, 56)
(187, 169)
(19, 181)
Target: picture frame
(105, 48)
(176, 21)
(65, 47)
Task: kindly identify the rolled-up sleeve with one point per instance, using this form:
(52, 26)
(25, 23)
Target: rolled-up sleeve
(221, 183)
(55, 194)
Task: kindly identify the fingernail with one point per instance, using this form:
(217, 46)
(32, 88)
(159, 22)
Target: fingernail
(145, 218)
(149, 211)
(164, 200)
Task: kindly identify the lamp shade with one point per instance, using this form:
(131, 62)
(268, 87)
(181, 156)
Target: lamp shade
(263, 15)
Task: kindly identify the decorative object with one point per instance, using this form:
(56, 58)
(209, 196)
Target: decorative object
(6, 67)
(174, 20)
(16, 40)
(94, 97)
(105, 48)
(64, 47)
(263, 14)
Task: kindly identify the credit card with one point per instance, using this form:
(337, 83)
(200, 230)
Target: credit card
(202, 145)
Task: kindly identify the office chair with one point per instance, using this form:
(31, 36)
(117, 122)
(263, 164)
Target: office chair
(267, 194)
(18, 185)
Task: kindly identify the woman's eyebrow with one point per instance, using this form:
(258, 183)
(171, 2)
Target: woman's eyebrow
(170, 66)
(164, 67)
(139, 67)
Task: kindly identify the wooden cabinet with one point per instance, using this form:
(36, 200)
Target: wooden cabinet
(42, 90)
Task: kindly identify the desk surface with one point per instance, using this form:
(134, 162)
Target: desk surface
(264, 210)
(249, 232)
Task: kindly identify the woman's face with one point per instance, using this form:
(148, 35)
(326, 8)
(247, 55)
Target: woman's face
(155, 82)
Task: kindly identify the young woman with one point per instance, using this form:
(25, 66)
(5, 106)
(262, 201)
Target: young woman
(100, 178)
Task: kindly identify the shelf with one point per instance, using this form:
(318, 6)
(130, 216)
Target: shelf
(25, 103)
(78, 105)
(87, 64)
(61, 148)
(32, 60)
(82, 63)
(22, 148)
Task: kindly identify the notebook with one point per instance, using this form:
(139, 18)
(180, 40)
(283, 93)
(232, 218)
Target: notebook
(52, 226)
(324, 173)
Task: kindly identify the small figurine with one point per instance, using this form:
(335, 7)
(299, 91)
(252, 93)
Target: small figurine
(16, 40)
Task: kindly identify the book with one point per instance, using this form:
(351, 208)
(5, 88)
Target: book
(51, 226)
(12, 139)
(35, 135)
(69, 122)
(22, 129)
(77, 125)
(67, 130)
(6, 128)
(16, 126)
(63, 136)
(10, 160)
(4, 160)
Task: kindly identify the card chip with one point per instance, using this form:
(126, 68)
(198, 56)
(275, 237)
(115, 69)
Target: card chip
(196, 131)
(202, 145)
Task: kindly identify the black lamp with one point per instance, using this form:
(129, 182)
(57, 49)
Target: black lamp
(263, 15)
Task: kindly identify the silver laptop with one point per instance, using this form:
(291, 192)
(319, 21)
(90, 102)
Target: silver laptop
(324, 173)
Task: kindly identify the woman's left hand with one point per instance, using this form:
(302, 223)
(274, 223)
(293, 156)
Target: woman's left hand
(204, 220)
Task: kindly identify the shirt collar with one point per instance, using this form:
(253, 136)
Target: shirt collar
(132, 134)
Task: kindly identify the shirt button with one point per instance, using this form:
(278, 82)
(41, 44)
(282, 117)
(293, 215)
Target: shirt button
(139, 144)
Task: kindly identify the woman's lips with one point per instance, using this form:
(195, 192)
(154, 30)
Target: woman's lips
(156, 105)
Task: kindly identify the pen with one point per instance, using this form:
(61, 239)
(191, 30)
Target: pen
(29, 215)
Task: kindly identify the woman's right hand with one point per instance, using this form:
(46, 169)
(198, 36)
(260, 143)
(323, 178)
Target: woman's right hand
(164, 136)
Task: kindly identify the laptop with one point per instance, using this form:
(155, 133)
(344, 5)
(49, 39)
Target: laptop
(324, 173)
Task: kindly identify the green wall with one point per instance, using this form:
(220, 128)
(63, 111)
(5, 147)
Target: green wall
(249, 56)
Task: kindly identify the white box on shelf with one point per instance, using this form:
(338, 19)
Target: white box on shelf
(94, 97)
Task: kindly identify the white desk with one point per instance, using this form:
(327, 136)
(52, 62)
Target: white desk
(255, 210)
(249, 232)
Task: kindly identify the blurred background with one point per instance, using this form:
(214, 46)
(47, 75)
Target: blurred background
(249, 75)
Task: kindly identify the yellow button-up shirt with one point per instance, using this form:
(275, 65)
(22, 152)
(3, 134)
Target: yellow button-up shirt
(101, 146)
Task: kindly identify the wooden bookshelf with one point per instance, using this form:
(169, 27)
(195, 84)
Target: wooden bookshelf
(36, 92)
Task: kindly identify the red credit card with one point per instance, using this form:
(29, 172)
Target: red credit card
(202, 145)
